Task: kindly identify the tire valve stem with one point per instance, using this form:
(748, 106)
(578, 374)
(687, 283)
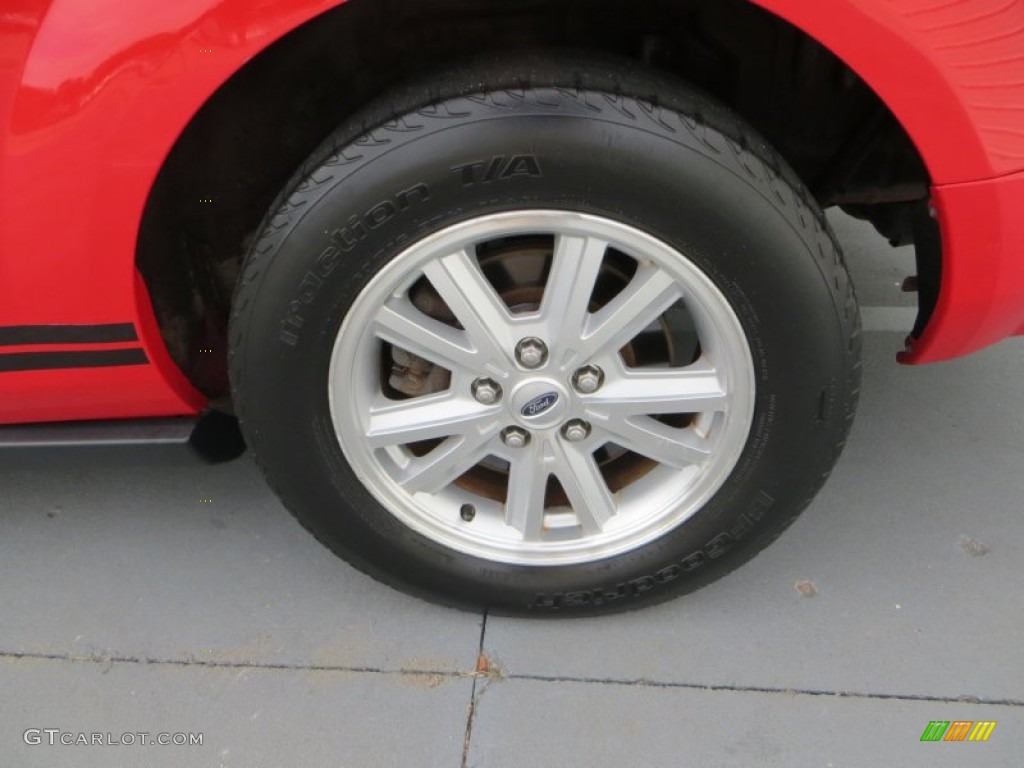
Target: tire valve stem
(468, 512)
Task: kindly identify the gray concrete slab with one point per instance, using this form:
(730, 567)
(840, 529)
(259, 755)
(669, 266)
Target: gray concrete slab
(147, 553)
(916, 548)
(248, 717)
(530, 722)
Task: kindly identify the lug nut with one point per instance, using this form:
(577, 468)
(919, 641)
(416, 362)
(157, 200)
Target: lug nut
(486, 391)
(531, 353)
(576, 430)
(514, 437)
(588, 379)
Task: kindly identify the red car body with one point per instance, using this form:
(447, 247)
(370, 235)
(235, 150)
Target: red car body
(94, 95)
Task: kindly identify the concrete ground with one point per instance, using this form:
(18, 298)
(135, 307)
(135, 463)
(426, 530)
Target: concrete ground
(143, 592)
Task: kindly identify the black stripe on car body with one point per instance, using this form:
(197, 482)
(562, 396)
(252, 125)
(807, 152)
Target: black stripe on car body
(43, 361)
(109, 333)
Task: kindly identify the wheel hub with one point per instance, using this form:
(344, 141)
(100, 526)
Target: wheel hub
(564, 410)
(539, 403)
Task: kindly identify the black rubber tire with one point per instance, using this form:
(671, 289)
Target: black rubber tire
(611, 139)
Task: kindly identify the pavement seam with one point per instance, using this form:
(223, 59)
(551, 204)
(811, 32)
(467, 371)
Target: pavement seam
(489, 674)
(647, 683)
(211, 663)
(479, 670)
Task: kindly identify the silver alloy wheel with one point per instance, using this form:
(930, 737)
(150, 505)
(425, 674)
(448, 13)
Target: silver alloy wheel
(415, 453)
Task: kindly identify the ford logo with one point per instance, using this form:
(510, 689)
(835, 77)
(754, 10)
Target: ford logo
(539, 405)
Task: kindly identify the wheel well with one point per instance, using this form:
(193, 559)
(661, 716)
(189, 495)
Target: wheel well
(242, 146)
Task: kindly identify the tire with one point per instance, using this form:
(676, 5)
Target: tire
(678, 455)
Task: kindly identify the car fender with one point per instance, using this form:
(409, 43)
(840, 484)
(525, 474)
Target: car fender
(94, 95)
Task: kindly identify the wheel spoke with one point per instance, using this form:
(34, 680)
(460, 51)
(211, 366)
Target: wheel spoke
(474, 302)
(527, 482)
(426, 418)
(403, 325)
(644, 300)
(671, 446)
(581, 479)
(574, 268)
(694, 389)
(447, 462)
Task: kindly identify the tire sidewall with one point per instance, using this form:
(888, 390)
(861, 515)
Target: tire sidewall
(706, 194)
